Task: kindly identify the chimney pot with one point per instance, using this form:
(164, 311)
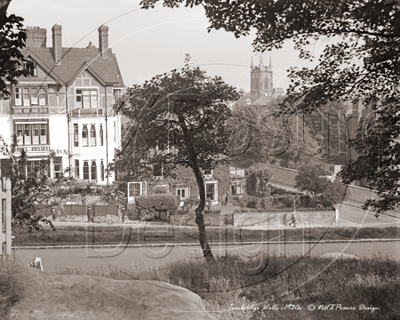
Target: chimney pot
(57, 46)
(103, 40)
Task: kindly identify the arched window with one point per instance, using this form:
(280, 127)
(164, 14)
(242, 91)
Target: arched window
(93, 171)
(85, 141)
(101, 134)
(92, 135)
(102, 170)
(85, 170)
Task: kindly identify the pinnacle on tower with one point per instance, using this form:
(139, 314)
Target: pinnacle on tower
(270, 62)
(252, 64)
(261, 63)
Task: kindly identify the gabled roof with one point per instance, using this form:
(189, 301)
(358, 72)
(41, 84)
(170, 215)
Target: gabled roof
(73, 60)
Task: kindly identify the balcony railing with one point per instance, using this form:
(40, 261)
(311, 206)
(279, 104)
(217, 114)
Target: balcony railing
(29, 110)
(85, 112)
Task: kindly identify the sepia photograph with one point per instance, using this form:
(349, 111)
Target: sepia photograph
(200, 159)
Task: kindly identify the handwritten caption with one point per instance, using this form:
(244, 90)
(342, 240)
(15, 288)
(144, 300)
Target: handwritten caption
(296, 307)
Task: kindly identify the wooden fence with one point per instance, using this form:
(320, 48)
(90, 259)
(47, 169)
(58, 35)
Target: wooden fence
(5, 218)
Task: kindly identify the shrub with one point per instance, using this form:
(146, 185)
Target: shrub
(256, 182)
(248, 201)
(156, 206)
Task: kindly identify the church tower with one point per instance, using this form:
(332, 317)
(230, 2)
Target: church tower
(261, 78)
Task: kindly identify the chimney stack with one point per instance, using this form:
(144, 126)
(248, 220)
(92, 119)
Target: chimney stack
(103, 40)
(35, 37)
(57, 47)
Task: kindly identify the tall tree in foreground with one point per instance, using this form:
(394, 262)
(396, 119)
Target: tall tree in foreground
(180, 119)
(12, 39)
(361, 61)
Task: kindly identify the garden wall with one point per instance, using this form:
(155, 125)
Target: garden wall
(359, 194)
(209, 219)
(282, 219)
(255, 219)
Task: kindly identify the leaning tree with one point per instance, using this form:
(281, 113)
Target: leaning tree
(179, 120)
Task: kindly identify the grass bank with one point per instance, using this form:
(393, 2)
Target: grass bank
(91, 234)
(370, 286)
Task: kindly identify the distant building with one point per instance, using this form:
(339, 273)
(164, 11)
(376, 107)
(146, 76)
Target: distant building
(262, 89)
(65, 105)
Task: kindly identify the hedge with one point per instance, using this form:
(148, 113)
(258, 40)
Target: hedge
(156, 206)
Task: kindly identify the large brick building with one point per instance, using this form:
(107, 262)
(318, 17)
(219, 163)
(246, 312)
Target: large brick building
(66, 106)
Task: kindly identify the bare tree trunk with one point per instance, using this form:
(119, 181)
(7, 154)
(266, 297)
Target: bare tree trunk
(200, 183)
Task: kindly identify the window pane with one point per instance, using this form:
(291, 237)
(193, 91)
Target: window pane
(102, 170)
(42, 97)
(86, 101)
(78, 101)
(101, 135)
(26, 96)
(20, 134)
(43, 133)
(85, 170)
(85, 136)
(77, 169)
(28, 134)
(94, 170)
(92, 135)
(183, 193)
(93, 99)
(34, 96)
(35, 134)
(76, 135)
(18, 98)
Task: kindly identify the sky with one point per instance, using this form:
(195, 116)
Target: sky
(154, 41)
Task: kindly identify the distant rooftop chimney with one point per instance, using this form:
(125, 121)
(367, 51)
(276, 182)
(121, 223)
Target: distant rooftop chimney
(57, 46)
(35, 37)
(103, 40)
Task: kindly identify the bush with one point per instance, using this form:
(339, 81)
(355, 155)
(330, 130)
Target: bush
(248, 201)
(156, 206)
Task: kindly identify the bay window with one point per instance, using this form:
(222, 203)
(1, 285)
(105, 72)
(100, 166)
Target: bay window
(29, 97)
(34, 133)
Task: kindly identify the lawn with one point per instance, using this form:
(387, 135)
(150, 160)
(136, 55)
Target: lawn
(97, 235)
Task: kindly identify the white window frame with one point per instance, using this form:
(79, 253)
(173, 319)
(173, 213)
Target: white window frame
(80, 92)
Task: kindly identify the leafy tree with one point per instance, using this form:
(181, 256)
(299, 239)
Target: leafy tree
(257, 181)
(270, 137)
(311, 179)
(32, 189)
(378, 149)
(360, 63)
(180, 119)
(12, 39)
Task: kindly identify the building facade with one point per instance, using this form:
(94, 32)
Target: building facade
(65, 106)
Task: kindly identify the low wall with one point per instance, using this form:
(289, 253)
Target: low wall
(359, 194)
(209, 219)
(282, 219)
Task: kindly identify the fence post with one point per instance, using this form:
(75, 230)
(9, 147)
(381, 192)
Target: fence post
(5, 217)
(1, 218)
